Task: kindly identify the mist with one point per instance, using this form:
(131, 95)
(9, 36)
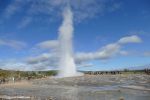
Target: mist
(66, 64)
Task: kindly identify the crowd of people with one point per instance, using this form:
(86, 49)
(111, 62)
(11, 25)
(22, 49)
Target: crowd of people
(147, 71)
(2, 81)
(103, 72)
(12, 80)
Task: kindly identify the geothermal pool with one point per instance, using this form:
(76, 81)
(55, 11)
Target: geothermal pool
(104, 87)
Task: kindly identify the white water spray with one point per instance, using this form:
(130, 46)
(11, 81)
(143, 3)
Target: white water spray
(66, 64)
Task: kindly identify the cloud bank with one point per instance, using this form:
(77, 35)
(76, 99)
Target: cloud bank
(48, 61)
(109, 50)
(13, 44)
(49, 44)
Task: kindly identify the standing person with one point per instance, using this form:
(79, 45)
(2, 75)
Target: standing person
(3, 80)
(13, 79)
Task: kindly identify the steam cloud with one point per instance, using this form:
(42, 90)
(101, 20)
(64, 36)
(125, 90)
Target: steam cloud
(67, 63)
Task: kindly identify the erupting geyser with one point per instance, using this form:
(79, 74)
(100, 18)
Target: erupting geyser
(67, 63)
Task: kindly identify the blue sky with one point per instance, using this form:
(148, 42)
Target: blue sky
(26, 25)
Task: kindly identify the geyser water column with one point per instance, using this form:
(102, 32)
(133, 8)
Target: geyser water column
(66, 63)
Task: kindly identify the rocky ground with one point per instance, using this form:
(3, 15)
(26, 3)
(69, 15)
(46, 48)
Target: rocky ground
(88, 87)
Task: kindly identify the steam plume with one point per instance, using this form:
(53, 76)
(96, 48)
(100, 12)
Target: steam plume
(66, 64)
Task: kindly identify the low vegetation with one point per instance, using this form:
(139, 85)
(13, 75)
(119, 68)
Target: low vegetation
(11, 76)
(25, 74)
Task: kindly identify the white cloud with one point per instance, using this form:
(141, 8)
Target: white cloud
(14, 66)
(43, 61)
(13, 44)
(49, 44)
(83, 9)
(130, 39)
(47, 61)
(12, 8)
(52, 58)
(105, 52)
(41, 58)
(109, 50)
(24, 66)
